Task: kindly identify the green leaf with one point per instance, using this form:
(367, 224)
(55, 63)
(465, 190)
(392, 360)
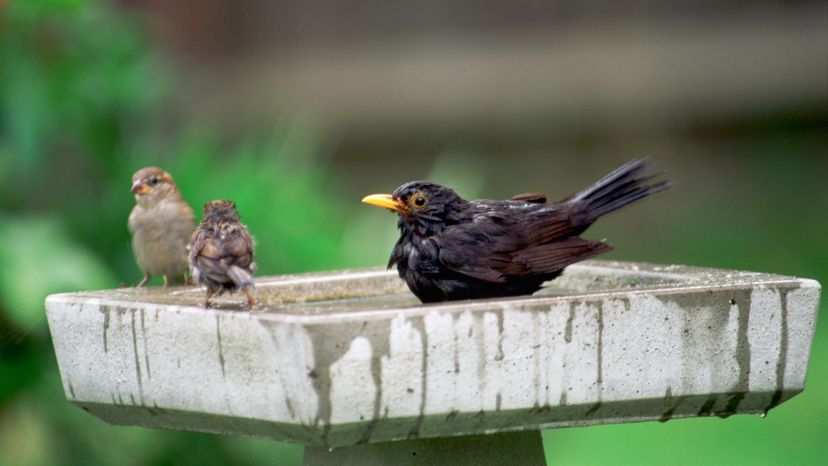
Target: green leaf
(39, 259)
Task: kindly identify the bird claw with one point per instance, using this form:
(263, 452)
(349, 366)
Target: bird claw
(143, 282)
(251, 301)
(209, 295)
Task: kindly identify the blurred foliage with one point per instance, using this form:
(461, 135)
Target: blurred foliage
(82, 107)
(30, 245)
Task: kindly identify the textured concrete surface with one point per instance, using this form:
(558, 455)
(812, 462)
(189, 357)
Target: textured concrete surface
(350, 357)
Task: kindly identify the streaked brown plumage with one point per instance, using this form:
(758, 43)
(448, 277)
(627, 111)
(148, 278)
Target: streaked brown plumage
(451, 249)
(221, 252)
(161, 224)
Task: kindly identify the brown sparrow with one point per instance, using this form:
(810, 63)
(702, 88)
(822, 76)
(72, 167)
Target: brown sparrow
(221, 252)
(161, 224)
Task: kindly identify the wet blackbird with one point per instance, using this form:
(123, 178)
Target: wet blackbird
(451, 249)
(161, 224)
(221, 252)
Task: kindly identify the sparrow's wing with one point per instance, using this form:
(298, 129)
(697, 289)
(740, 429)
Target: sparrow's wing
(500, 246)
(197, 243)
(237, 247)
(238, 258)
(206, 252)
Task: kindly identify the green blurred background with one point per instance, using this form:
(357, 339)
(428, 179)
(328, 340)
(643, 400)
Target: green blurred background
(296, 109)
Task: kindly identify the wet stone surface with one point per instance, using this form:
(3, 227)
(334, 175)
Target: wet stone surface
(351, 357)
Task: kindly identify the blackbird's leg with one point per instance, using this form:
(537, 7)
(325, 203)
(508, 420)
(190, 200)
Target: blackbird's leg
(250, 300)
(207, 304)
(144, 281)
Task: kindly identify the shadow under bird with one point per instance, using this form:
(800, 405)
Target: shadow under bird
(452, 249)
(221, 252)
(161, 224)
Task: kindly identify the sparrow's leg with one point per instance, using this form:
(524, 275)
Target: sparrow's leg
(207, 304)
(144, 281)
(166, 281)
(250, 300)
(188, 280)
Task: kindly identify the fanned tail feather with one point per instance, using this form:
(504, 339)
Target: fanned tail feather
(625, 185)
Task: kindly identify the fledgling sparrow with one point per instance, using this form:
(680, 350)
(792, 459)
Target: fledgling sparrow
(221, 252)
(161, 224)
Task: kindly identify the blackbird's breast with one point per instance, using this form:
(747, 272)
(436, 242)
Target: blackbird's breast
(418, 264)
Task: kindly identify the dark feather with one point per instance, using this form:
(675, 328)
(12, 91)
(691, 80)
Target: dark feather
(623, 186)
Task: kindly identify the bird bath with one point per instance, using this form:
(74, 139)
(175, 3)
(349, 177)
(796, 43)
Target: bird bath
(350, 365)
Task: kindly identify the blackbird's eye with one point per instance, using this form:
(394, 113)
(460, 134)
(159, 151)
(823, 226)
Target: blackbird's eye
(419, 200)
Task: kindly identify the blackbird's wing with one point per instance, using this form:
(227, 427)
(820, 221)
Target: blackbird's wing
(507, 240)
(533, 198)
(215, 251)
(552, 257)
(498, 246)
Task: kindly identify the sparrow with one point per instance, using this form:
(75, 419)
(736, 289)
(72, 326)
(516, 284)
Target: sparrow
(221, 252)
(161, 224)
(451, 249)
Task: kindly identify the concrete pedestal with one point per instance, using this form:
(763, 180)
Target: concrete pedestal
(347, 359)
(501, 449)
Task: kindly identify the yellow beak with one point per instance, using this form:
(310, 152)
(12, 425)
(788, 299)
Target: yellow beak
(385, 201)
(139, 187)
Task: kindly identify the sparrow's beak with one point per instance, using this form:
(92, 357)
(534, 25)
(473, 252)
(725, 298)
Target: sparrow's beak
(385, 201)
(139, 187)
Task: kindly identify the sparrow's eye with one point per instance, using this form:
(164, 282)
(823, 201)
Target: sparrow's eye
(153, 181)
(419, 200)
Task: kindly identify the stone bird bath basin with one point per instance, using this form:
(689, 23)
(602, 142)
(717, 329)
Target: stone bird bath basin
(349, 364)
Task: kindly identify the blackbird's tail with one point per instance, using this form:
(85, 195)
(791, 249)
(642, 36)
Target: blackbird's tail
(625, 185)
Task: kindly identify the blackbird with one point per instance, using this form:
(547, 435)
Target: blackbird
(161, 224)
(451, 249)
(221, 252)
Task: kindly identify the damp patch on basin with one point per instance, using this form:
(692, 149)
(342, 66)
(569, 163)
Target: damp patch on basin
(378, 289)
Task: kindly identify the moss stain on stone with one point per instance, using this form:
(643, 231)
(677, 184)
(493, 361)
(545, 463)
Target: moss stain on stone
(105, 310)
